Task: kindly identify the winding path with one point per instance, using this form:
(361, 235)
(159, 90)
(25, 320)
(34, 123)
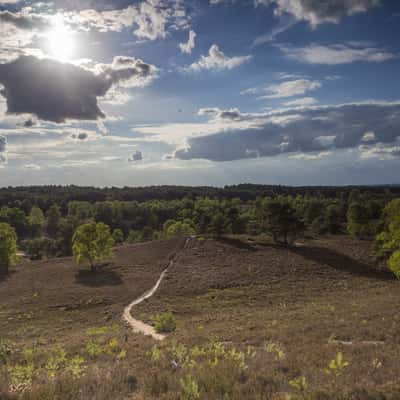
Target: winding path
(139, 326)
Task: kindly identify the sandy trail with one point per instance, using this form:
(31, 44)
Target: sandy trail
(139, 326)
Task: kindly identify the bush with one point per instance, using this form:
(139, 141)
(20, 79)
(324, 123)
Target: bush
(165, 323)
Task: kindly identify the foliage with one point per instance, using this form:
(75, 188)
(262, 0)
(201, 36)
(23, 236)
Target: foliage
(21, 376)
(92, 243)
(118, 236)
(36, 220)
(189, 388)
(8, 247)
(165, 323)
(5, 351)
(75, 366)
(38, 248)
(337, 365)
(282, 220)
(53, 220)
(178, 228)
(389, 239)
(56, 362)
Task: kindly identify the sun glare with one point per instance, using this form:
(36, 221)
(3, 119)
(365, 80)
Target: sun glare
(61, 42)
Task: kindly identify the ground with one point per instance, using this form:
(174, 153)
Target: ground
(286, 312)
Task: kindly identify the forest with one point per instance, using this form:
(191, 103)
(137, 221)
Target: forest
(46, 218)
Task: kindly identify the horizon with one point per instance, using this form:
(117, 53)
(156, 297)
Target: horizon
(199, 93)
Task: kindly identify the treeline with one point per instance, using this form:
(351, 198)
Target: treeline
(45, 225)
(45, 196)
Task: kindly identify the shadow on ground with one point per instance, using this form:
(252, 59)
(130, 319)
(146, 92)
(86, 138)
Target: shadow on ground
(240, 244)
(341, 262)
(101, 277)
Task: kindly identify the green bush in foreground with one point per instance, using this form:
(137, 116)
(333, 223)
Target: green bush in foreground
(165, 323)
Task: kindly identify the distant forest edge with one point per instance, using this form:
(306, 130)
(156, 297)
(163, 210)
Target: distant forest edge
(45, 196)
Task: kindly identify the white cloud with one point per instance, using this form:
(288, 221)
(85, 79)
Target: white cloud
(381, 151)
(302, 102)
(368, 137)
(34, 167)
(217, 60)
(319, 11)
(287, 89)
(153, 19)
(190, 44)
(337, 54)
(312, 156)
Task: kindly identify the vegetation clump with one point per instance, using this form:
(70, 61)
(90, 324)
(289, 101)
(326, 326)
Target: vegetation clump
(165, 323)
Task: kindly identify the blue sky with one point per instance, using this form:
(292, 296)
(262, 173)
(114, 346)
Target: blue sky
(114, 93)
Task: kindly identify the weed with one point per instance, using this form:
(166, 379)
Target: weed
(337, 365)
(189, 388)
(76, 367)
(55, 363)
(20, 377)
(165, 323)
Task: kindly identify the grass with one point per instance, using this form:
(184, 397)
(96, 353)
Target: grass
(254, 321)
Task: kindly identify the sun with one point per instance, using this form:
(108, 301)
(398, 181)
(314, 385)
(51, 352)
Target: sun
(61, 42)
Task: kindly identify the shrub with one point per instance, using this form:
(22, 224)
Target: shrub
(165, 323)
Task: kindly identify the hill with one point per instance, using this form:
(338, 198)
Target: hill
(253, 320)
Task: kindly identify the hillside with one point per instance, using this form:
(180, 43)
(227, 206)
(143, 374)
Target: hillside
(296, 307)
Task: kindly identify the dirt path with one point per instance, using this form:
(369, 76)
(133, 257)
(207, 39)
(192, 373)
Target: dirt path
(139, 326)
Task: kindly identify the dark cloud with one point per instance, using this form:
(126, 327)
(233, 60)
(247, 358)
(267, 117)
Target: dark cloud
(56, 91)
(3, 149)
(29, 123)
(300, 130)
(24, 21)
(80, 136)
(232, 114)
(136, 156)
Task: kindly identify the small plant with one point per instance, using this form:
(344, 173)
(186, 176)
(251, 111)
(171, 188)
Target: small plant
(337, 365)
(189, 388)
(165, 323)
(55, 363)
(21, 377)
(275, 349)
(97, 331)
(299, 384)
(75, 366)
(94, 349)
(5, 351)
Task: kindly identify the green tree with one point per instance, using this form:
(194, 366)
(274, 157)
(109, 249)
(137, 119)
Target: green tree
(8, 247)
(332, 218)
(218, 224)
(92, 243)
(178, 228)
(53, 220)
(16, 218)
(282, 220)
(36, 220)
(389, 239)
(118, 236)
(360, 223)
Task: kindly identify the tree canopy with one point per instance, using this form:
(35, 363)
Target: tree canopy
(8, 247)
(92, 242)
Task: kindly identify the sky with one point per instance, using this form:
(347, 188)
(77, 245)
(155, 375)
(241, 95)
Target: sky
(201, 92)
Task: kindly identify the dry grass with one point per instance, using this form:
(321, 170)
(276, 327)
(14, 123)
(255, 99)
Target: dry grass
(296, 309)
